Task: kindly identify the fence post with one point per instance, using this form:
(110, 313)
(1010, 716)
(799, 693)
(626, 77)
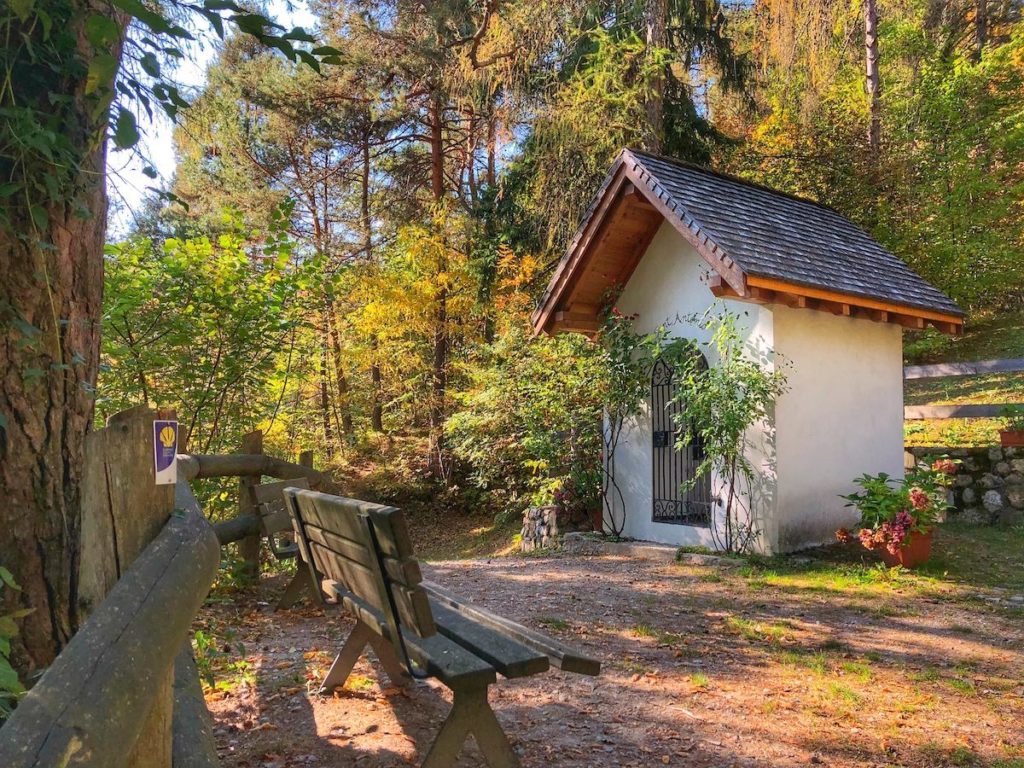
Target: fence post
(249, 547)
(122, 512)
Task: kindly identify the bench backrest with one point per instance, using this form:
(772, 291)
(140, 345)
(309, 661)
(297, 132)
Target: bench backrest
(270, 504)
(366, 547)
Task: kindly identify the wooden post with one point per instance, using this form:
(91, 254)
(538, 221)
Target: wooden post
(249, 547)
(123, 510)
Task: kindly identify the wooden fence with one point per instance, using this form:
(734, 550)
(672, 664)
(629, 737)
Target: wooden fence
(965, 411)
(125, 690)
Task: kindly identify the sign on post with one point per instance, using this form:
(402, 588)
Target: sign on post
(165, 446)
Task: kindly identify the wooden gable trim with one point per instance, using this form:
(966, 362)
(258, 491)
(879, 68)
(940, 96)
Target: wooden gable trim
(578, 254)
(628, 182)
(764, 290)
(684, 224)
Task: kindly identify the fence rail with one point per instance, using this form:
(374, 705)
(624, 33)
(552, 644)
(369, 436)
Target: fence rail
(125, 691)
(94, 702)
(965, 410)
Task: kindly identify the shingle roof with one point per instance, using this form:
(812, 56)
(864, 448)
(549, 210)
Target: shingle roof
(774, 235)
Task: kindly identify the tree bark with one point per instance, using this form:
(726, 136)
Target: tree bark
(655, 19)
(872, 82)
(325, 398)
(439, 369)
(376, 404)
(980, 28)
(51, 292)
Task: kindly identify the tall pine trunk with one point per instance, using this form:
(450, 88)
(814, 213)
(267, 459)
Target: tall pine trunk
(872, 82)
(376, 403)
(439, 368)
(980, 28)
(655, 19)
(51, 293)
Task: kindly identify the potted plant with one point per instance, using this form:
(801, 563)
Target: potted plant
(898, 517)
(1012, 435)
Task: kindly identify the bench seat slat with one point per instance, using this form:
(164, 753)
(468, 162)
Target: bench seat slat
(440, 657)
(561, 656)
(507, 655)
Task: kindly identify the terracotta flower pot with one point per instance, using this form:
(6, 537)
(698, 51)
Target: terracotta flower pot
(916, 550)
(1011, 438)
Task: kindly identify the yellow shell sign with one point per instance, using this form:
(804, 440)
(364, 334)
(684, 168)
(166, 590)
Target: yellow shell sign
(167, 436)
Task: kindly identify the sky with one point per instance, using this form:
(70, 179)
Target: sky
(127, 185)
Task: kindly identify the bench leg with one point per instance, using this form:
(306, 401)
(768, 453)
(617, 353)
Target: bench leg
(300, 585)
(354, 646)
(471, 714)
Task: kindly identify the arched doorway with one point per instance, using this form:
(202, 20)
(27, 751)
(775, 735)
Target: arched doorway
(675, 500)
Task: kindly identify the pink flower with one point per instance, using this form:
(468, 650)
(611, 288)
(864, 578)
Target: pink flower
(946, 466)
(919, 499)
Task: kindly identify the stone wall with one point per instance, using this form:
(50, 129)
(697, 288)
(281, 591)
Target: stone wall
(543, 526)
(989, 486)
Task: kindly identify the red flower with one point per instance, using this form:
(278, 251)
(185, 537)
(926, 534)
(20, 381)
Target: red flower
(844, 536)
(946, 466)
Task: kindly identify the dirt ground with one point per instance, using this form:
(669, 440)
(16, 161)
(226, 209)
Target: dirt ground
(703, 666)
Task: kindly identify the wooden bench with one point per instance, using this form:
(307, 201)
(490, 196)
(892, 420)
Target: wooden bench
(361, 555)
(276, 526)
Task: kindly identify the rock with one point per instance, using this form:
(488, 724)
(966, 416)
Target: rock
(969, 496)
(989, 481)
(1015, 478)
(963, 481)
(1018, 465)
(995, 453)
(992, 501)
(1016, 497)
(1003, 468)
(971, 464)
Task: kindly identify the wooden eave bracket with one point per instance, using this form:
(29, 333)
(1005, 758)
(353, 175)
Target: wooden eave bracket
(769, 291)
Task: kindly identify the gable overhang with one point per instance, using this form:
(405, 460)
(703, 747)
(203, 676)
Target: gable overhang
(626, 214)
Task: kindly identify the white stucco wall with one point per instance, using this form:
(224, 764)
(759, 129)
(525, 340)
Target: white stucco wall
(668, 285)
(842, 415)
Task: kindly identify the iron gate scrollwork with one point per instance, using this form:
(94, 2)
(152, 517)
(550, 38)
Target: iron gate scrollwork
(675, 500)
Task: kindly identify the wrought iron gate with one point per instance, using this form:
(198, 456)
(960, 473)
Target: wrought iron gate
(672, 467)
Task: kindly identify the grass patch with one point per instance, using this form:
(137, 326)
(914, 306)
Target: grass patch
(644, 630)
(844, 693)
(857, 669)
(963, 686)
(962, 756)
(926, 675)
(755, 631)
(553, 622)
(700, 680)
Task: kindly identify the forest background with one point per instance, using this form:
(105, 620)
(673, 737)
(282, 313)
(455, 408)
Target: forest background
(348, 253)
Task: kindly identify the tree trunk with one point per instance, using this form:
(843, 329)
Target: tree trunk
(376, 404)
(492, 140)
(51, 292)
(439, 368)
(980, 28)
(655, 19)
(344, 400)
(325, 398)
(871, 80)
